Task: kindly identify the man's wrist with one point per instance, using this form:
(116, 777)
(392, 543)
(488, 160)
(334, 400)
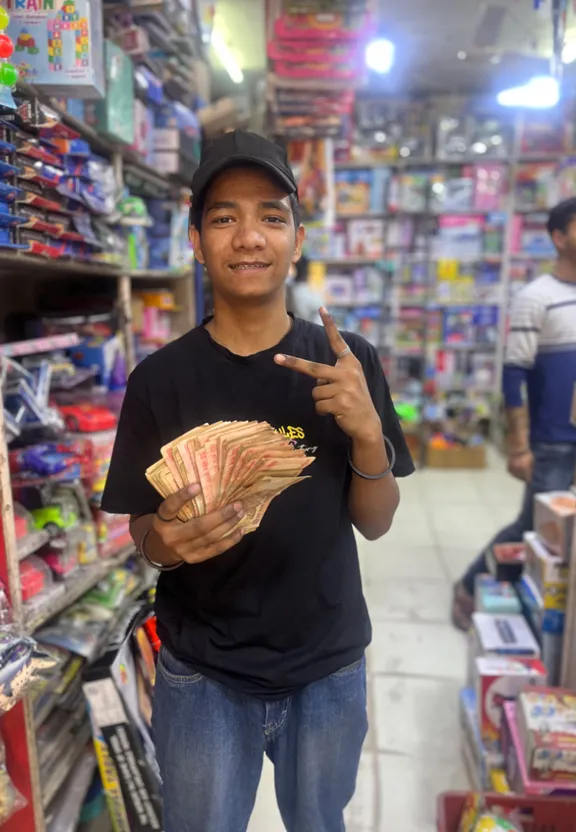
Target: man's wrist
(370, 438)
(156, 551)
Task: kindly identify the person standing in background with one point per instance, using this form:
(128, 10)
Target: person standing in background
(303, 301)
(541, 359)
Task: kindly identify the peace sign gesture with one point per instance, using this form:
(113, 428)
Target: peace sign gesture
(341, 390)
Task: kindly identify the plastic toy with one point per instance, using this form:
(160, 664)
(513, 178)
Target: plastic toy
(87, 418)
(21, 660)
(55, 518)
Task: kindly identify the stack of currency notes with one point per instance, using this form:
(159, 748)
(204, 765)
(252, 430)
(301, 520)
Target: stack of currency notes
(246, 462)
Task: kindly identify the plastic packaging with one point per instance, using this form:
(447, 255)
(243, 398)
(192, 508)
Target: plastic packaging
(11, 801)
(22, 662)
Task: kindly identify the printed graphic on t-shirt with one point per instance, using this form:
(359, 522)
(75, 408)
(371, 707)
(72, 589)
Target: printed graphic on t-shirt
(295, 434)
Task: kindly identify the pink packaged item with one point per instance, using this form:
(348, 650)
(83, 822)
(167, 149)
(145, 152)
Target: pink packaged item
(516, 766)
(61, 555)
(490, 187)
(322, 27)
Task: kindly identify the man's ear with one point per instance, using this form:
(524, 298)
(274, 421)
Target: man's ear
(300, 237)
(196, 241)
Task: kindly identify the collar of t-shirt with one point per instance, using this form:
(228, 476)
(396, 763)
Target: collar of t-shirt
(285, 345)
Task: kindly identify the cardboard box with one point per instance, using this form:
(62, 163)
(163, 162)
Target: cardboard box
(554, 518)
(549, 573)
(114, 116)
(461, 457)
(480, 760)
(516, 766)
(499, 635)
(59, 46)
(495, 597)
(506, 561)
(500, 679)
(546, 719)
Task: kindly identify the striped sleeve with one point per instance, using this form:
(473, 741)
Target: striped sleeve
(526, 319)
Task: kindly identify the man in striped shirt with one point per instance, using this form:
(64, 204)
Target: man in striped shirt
(539, 385)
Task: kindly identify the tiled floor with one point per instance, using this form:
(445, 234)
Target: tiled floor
(416, 661)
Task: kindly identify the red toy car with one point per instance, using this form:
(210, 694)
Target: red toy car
(87, 418)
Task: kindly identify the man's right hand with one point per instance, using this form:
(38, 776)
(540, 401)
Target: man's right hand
(521, 466)
(195, 540)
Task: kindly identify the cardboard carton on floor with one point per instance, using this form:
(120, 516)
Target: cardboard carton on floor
(458, 457)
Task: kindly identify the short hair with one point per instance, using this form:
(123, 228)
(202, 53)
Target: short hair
(561, 216)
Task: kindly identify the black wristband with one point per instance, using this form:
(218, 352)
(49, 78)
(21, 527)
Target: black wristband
(391, 464)
(160, 567)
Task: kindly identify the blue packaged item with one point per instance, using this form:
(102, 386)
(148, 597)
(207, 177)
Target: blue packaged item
(7, 147)
(8, 220)
(495, 597)
(75, 108)
(149, 84)
(100, 354)
(7, 241)
(8, 170)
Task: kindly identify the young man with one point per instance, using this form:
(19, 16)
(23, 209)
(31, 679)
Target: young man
(541, 357)
(263, 636)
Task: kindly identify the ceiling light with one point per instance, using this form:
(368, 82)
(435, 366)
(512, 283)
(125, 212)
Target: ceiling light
(380, 55)
(540, 93)
(569, 52)
(495, 59)
(226, 57)
(462, 55)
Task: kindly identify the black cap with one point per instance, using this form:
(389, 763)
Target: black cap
(237, 148)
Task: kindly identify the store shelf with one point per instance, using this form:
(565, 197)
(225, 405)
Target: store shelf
(39, 345)
(31, 543)
(352, 261)
(65, 816)
(62, 770)
(160, 274)
(78, 585)
(31, 265)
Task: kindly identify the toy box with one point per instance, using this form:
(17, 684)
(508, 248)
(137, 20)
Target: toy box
(495, 597)
(506, 561)
(518, 777)
(500, 635)
(113, 533)
(113, 116)
(546, 719)
(58, 45)
(481, 761)
(353, 191)
(554, 518)
(549, 573)
(366, 238)
(500, 679)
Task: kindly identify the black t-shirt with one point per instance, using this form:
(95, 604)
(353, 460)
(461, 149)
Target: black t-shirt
(284, 607)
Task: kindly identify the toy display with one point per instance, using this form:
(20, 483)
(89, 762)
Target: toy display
(215, 455)
(547, 728)
(477, 817)
(495, 597)
(59, 45)
(22, 663)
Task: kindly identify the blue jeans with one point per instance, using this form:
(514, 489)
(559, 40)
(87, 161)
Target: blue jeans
(211, 741)
(554, 465)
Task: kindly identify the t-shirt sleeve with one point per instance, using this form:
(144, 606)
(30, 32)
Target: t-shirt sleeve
(137, 446)
(382, 399)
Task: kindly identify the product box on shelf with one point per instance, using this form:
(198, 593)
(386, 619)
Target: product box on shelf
(546, 719)
(516, 770)
(500, 635)
(481, 761)
(460, 456)
(500, 679)
(495, 597)
(506, 561)
(111, 115)
(554, 519)
(113, 532)
(59, 45)
(549, 573)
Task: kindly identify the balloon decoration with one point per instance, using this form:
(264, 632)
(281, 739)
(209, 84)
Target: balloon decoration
(8, 72)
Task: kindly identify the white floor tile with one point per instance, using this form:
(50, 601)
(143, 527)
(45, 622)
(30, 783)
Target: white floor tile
(266, 817)
(409, 789)
(388, 559)
(408, 599)
(406, 648)
(361, 812)
(416, 716)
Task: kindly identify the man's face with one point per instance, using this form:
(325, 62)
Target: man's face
(565, 242)
(248, 238)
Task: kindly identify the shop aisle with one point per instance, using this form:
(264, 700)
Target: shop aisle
(417, 660)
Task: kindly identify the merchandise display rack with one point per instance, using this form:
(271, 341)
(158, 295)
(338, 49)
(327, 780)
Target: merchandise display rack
(396, 257)
(26, 271)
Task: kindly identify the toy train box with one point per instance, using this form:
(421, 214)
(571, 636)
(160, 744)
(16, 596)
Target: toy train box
(58, 45)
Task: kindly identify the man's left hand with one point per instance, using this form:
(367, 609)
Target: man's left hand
(341, 390)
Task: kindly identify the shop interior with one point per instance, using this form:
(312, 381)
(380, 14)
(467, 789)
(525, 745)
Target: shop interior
(429, 141)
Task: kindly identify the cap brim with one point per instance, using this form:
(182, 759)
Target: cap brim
(198, 189)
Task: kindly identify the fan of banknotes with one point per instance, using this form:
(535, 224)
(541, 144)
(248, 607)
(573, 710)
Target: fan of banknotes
(247, 462)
